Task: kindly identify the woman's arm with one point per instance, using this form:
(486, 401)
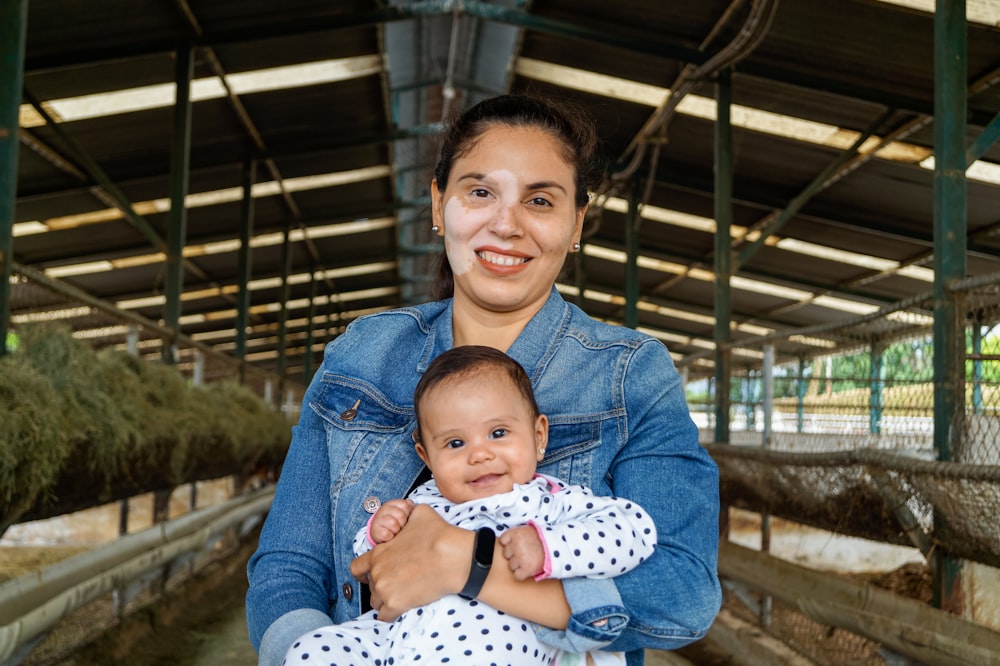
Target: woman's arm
(430, 558)
(673, 597)
(290, 573)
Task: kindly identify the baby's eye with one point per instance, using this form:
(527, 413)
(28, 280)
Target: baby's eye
(498, 433)
(455, 444)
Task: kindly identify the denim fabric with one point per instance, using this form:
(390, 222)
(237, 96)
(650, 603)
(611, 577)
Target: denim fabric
(618, 424)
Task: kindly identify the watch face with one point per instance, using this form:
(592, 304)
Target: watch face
(485, 543)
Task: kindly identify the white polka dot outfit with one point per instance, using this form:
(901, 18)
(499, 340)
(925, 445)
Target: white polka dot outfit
(583, 534)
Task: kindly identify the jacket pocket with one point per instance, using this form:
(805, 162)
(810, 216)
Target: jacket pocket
(351, 404)
(569, 455)
(362, 425)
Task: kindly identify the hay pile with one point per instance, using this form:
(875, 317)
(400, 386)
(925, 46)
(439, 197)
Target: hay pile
(80, 428)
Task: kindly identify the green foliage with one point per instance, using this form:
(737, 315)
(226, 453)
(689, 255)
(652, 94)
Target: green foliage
(79, 427)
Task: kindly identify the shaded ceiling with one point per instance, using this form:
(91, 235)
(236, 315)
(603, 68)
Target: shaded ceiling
(366, 117)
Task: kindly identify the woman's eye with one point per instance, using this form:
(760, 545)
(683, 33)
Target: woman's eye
(498, 433)
(539, 201)
(455, 444)
(480, 193)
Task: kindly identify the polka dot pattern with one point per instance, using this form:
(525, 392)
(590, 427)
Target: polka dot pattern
(584, 535)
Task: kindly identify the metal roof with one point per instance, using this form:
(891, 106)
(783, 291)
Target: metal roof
(382, 78)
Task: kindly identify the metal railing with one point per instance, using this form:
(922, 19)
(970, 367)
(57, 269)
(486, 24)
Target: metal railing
(31, 605)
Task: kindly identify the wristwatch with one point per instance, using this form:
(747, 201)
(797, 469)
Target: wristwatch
(482, 560)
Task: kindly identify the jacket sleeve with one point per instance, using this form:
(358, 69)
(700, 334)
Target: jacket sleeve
(290, 575)
(673, 597)
(587, 535)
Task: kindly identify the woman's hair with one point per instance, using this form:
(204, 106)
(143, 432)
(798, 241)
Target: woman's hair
(462, 362)
(568, 125)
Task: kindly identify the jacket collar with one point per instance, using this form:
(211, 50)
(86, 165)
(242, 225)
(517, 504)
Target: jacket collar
(533, 347)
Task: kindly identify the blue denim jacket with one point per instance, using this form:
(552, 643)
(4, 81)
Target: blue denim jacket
(618, 424)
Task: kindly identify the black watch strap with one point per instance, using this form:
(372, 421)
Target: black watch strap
(482, 560)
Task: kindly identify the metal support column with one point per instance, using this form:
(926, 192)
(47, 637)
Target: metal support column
(876, 384)
(13, 25)
(977, 365)
(286, 269)
(767, 372)
(723, 264)
(950, 72)
(180, 154)
(632, 222)
(310, 316)
(723, 252)
(800, 396)
(244, 266)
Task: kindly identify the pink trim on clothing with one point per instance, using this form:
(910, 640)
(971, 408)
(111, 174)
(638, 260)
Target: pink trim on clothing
(547, 565)
(368, 532)
(553, 486)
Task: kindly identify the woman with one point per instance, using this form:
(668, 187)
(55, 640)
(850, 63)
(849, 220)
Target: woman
(509, 198)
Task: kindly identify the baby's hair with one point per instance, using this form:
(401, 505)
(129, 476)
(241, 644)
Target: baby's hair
(461, 362)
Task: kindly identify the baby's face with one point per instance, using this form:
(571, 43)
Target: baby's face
(479, 437)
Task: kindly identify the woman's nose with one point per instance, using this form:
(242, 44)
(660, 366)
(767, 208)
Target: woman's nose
(506, 222)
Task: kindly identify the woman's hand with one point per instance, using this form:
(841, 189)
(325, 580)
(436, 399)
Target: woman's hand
(425, 561)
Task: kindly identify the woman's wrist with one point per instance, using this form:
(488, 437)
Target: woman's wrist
(454, 552)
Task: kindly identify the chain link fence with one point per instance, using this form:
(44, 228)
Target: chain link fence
(835, 427)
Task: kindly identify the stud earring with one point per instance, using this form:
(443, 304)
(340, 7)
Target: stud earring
(576, 247)
(435, 229)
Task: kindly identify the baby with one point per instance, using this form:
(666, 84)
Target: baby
(480, 433)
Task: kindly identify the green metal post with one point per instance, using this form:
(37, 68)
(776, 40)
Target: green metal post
(631, 318)
(286, 269)
(723, 252)
(800, 398)
(977, 366)
(244, 265)
(311, 314)
(876, 382)
(13, 24)
(950, 73)
(180, 158)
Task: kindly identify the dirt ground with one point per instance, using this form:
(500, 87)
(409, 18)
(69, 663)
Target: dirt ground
(200, 624)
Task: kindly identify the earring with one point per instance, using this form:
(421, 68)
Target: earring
(576, 247)
(435, 229)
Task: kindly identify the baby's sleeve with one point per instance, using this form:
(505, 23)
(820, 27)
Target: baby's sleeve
(362, 542)
(593, 536)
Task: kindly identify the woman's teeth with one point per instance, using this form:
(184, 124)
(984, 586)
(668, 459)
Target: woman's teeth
(501, 259)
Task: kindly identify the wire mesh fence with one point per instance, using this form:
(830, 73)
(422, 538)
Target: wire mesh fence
(840, 427)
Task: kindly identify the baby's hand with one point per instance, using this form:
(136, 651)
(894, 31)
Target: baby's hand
(523, 549)
(389, 519)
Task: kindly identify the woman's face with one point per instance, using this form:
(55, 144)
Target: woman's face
(508, 219)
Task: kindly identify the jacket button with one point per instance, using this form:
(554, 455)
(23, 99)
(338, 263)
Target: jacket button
(349, 414)
(371, 504)
(348, 591)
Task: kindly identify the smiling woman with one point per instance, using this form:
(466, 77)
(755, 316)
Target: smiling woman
(509, 197)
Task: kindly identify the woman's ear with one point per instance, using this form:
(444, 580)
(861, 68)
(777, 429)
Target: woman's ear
(437, 210)
(541, 436)
(581, 215)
